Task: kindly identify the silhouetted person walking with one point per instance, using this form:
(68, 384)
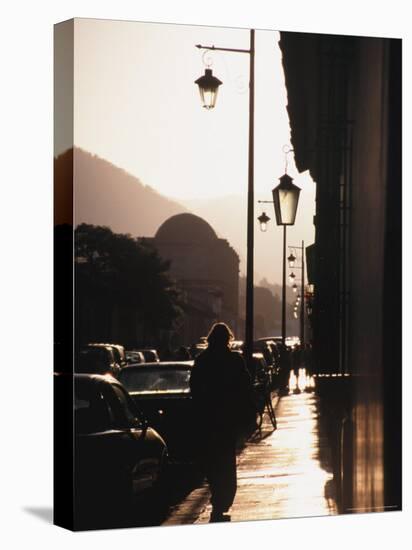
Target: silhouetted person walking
(222, 393)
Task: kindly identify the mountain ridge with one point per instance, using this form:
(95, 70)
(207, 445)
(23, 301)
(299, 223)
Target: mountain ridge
(105, 194)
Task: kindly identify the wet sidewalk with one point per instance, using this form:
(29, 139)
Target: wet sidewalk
(282, 474)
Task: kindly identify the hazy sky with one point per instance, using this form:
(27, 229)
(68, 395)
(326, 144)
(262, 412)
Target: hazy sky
(136, 105)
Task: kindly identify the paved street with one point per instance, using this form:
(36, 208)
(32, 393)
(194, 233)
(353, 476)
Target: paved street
(281, 474)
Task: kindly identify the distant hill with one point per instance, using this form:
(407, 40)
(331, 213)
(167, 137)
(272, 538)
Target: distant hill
(108, 195)
(276, 290)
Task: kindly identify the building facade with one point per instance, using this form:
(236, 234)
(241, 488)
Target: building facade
(344, 103)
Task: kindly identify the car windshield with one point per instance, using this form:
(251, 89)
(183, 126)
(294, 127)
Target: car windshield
(149, 356)
(134, 356)
(156, 380)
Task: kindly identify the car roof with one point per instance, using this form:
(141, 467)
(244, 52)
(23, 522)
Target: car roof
(85, 377)
(77, 381)
(161, 364)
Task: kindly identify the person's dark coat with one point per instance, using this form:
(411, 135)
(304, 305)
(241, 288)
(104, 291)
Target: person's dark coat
(222, 397)
(221, 392)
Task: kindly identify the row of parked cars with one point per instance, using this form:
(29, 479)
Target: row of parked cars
(133, 416)
(103, 358)
(266, 359)
(130, 419)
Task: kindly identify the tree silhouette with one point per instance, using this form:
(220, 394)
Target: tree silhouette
(121, 272)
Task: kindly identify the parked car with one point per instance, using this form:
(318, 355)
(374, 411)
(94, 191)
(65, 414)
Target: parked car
(162, 392)
(133, 357)
(149, 355)
(276, 339)
(195, 349)
(118, 351)
(237, 345)
(263, 347)
(285, 350)
(117, 453)
(97, 359)
(182, 353)
(276, 344)
(120, 354)
(290, 341)
(260, 372)
(260, 347)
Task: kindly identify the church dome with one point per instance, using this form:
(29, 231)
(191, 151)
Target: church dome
(185, 228)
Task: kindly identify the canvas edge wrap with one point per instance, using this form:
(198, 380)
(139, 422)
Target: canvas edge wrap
(63, 487)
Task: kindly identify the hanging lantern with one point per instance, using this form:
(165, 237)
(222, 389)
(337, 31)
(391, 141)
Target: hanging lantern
(291, 260)
(263, 220)
(286, 198)
(208, 88)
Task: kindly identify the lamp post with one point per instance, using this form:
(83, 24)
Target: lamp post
(285, 202)
(285, 198)
(208, 88)
(292, 260)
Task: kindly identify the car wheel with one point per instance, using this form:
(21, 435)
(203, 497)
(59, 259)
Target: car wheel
(158, 488)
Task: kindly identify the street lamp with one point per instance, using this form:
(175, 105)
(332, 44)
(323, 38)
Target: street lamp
(208, 88)
(285, 198)
(263, 220)
(285, 202)
(299, 298)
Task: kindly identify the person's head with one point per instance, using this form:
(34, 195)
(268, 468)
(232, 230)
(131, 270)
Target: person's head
(219, 336)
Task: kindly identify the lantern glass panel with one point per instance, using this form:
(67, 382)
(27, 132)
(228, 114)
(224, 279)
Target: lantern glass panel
(263, 220)
(285, 199)
(208, 97)
(288, 202)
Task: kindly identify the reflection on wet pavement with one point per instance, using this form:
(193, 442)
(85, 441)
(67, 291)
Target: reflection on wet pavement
(281, 474)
